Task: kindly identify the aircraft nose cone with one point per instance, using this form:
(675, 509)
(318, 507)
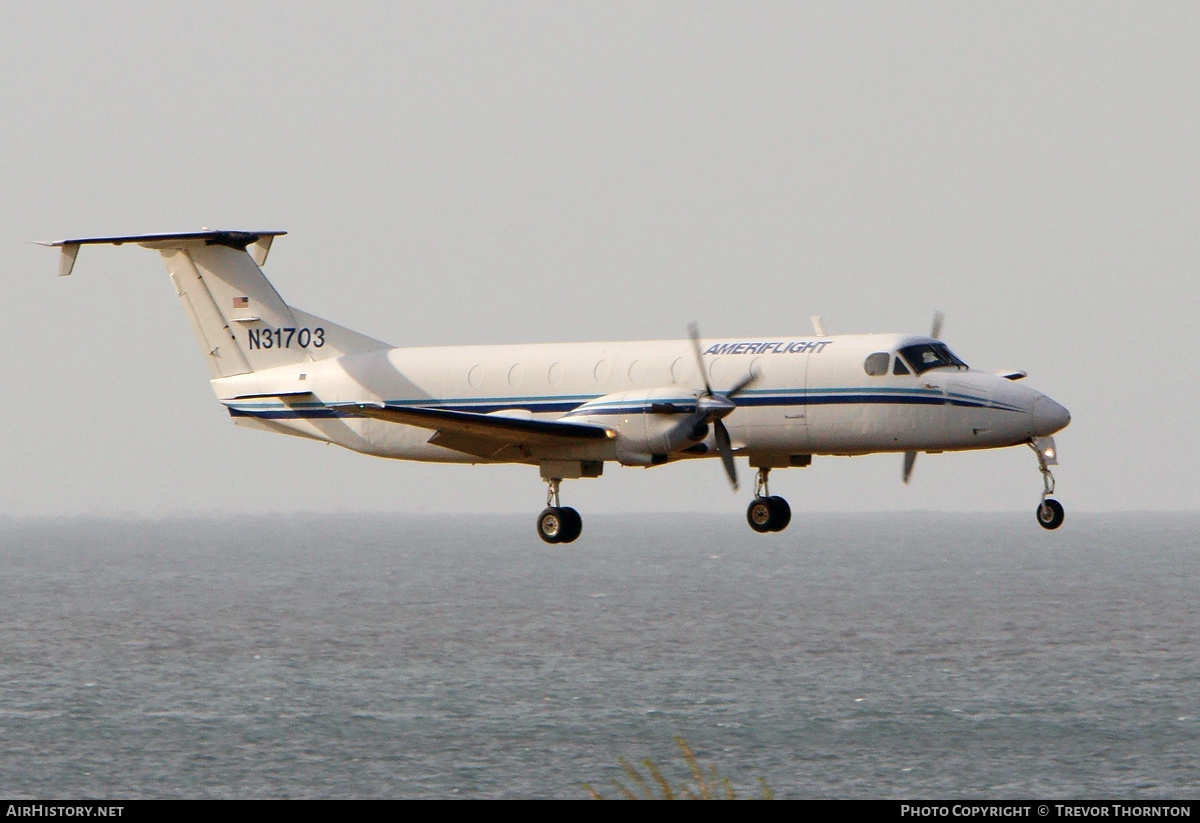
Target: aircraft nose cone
(1049, 417)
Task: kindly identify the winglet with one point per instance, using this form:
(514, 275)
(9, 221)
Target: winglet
(70, 251)
(260, 248)
(66, 262)
(819, 326)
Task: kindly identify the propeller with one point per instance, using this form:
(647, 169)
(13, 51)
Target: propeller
(910, 458)
(711, 407)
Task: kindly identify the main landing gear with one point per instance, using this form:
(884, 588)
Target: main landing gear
(558, 524)
(767, 513)
(1050, 512)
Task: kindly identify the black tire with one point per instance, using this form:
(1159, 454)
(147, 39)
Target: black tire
(550, 525)
(781, 514)
(572, 525)
(1050, 514)
(759, 514)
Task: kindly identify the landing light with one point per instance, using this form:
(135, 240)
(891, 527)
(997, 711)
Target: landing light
(1044, 446)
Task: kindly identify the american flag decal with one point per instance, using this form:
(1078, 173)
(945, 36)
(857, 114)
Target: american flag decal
(241, 302)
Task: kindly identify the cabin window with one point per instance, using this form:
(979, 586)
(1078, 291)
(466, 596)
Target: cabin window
(900, 368)
(925, 356)
(877, 363)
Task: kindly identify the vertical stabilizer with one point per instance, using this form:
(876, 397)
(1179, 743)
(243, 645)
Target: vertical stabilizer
(241, 323)
(217, 340)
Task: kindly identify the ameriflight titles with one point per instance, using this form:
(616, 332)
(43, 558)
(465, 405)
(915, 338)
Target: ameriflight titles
(775, 347)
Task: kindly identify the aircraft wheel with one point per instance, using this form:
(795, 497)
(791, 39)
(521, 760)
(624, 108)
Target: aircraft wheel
(572, 525)
(551, 525)
(1050, 514)
(760, 514)
(781, 514)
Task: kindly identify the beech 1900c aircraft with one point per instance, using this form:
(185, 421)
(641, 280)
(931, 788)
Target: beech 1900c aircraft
(570, 408)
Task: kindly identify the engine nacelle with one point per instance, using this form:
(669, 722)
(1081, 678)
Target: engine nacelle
(650, 425)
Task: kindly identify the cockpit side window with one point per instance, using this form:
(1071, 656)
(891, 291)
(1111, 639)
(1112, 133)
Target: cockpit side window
(900, 368)
(877, 363)
(925, 356)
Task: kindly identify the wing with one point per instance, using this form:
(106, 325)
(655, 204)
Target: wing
(489, 436)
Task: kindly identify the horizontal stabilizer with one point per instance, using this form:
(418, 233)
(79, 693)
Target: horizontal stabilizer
(258, 243)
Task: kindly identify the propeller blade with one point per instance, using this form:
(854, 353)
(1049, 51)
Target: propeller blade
(721, 435)
(694, 333)
(712, 407)
(935, 331)
(910, 460)
(745, 382)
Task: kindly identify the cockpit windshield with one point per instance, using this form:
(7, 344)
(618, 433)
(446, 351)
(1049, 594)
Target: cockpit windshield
(926, 356)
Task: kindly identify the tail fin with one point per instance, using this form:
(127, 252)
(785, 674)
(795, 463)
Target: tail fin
(240, 321)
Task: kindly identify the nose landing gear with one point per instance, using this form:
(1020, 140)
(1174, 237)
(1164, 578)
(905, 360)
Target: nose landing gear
(558, 524)
(767, 513)
(1050, 512)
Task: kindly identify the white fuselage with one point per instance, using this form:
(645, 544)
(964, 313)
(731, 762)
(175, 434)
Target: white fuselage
(569, 408)
(813, 395)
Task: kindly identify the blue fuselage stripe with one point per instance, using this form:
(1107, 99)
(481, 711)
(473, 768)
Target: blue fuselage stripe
(571, 406)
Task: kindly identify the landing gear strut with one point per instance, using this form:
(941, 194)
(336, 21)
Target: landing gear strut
(1050, 513)
(767, 513)
(558, 524)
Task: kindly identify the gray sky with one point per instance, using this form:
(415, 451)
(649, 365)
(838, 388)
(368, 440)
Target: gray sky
(522, 172)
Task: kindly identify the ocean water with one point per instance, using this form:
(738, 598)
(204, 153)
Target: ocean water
(902, 656)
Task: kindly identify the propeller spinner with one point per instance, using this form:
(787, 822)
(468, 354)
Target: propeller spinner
(712, 406)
